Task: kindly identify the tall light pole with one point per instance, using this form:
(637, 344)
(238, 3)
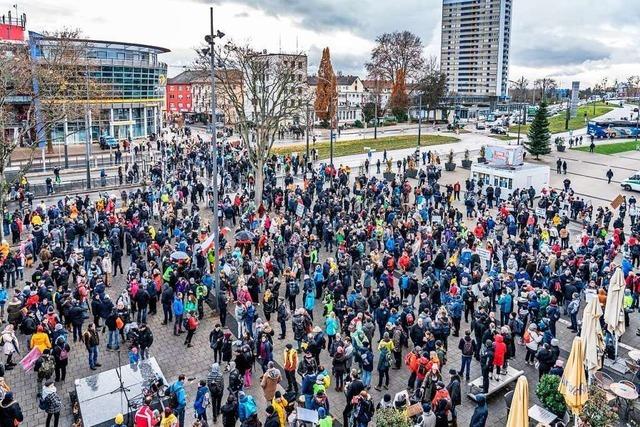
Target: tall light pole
(420, 118)
(210, 38)
(307, 132)
(88, 126)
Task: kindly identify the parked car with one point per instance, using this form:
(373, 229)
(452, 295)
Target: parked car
(107, 142)
(480, 126)
(499, 130)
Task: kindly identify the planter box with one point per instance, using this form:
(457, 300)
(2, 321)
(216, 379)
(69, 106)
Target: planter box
(467, 164)
(561, 148)
(389, 176)
(449, 167)
(482, 160)
(411, 173)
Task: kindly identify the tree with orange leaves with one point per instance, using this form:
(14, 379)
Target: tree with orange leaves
(399, 100)
(326, 89)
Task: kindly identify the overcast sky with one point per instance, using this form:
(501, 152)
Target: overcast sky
(564, 39)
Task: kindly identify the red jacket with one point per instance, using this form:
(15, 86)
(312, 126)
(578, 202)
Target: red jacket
(500, 348)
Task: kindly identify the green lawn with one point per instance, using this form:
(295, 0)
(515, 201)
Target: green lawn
(356, 146)
(557, 122)
(615, 148)
(506, 137)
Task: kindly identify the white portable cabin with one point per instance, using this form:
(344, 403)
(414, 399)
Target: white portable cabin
(508, 178)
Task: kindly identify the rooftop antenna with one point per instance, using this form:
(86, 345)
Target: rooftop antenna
(280, 43)
(296, 43)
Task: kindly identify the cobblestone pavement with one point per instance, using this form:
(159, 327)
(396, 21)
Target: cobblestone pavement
(174, 358)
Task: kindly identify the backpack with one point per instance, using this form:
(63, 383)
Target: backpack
(64, 354)
(173, 398)
(47, 367)
(294, 288)
(42, 404)
(518, 326)
(526, 337)
(410, 319)
(422, 369)
(467, 348)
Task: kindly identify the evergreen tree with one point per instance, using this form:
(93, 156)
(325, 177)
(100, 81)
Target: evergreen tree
(539, 135)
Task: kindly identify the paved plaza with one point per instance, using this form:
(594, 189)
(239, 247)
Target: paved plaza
(587, 174)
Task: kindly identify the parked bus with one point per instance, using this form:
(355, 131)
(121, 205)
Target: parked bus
(613, 129)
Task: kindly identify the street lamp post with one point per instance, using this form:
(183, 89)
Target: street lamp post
(307, 131)
(210, 38)
(419, 118)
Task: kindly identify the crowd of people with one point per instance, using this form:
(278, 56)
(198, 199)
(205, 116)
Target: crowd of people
(358, 276)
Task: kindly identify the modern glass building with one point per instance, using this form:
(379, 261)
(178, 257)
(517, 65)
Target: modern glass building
(132, 89)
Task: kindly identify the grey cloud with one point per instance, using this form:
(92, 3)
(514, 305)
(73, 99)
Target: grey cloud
(241, 15)
(344, 62)
(319, 15)
(548, 56)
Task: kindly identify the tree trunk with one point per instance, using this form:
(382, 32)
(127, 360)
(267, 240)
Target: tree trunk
(3, 195)
(259, 181)
(49, 146)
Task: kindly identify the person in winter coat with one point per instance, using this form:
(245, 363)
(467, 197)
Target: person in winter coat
(215, 381)
(40, 339)
(178, 312)
(481, 413)
(532, 341)
(145, 340)
(272, 419)
(384, 363)
(202, 401)
(10, 411)
(52, 403)
(247, 408)
(229, 412)
(270, 381)
(178, 389)
(455, 393)
(499, 354)
(61, 351)
(10, 345)
(280, 405)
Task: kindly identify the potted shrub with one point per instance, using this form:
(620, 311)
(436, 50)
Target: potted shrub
(596, 412)
(450, 165)
(388, 175)
(560, 144)
(481, 159)
(550, 397)
(391, 417)
(412, 172)
(466, 163)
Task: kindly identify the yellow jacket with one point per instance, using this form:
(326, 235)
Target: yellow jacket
(40, 340)
(170, 421)
(280, 406)
(388, 344)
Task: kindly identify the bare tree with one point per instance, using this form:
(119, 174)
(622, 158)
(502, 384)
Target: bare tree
(432, 85)
(545, 85)
(632, 86)
(396, 51)
(271, 94)
(519, 88)
(37, 92)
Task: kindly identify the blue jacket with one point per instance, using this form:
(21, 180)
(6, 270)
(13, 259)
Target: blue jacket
(178, 306)
(455, 307)
(332, 326)
(246, 407)
(480, 414)
(506, 303)
(178, 389)
(198, 405)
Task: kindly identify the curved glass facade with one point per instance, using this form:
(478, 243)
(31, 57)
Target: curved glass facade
(132, 90)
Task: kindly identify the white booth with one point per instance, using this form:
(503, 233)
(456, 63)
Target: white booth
(508, 178)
